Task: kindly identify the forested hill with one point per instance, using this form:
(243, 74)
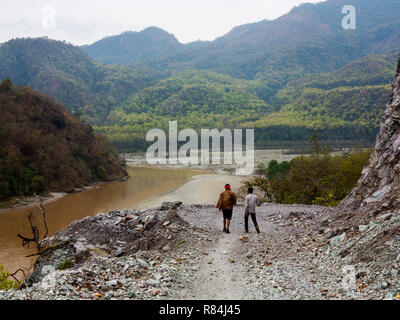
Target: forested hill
(343, 105)
(197, 99)
(44, 148)
(65, 72)
(369, 71)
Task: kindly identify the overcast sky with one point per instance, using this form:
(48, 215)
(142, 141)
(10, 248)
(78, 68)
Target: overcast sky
(85, 21)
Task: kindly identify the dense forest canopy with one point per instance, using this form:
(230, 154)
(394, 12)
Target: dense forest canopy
(197, 99)
(44, 148)
(343, 105)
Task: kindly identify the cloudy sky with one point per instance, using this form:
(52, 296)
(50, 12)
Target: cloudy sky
(85, 21)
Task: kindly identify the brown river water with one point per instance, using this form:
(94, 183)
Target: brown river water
(143, 184)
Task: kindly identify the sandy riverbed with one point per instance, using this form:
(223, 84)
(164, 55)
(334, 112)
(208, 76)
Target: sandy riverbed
(203, 189)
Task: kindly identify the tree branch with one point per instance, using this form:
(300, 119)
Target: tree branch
(41, 207)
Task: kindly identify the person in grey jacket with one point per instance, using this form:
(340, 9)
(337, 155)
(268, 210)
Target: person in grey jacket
(250, 203)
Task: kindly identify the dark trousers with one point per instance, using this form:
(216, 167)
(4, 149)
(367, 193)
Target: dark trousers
(246, 220)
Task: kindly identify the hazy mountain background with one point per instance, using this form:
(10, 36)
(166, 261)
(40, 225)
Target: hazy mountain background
(131, 47)
(287, 77)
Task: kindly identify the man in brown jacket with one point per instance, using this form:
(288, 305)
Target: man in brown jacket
(226, 201)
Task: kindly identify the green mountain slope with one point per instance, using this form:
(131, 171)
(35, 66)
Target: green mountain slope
(342, 105)
(197, 99)
(336, 114)
(65, 72)
(44, 148)
(369, 71)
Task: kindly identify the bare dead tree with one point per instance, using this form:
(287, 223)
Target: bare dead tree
(35, 233)
(41, 207)
(35, 229)
(35, 238)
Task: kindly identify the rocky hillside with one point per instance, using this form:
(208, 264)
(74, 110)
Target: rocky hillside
(380, 181)
(366, 224)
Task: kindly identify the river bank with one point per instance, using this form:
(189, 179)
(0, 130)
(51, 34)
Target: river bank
(19, 203)
(260, 156)
(144, 184)
(138, 160)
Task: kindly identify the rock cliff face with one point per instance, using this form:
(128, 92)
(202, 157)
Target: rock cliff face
(379, 184)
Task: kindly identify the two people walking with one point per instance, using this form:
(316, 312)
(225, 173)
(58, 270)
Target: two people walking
(226, 201)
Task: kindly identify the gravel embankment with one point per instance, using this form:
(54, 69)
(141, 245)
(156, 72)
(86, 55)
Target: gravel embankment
(180, 252)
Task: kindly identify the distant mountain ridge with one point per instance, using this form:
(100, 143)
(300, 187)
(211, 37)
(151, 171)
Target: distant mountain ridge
(131, 47)
(308, 39)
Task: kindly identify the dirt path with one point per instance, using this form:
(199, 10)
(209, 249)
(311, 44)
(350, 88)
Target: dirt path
(223, 270)
(288, 260)
(221, 275)
(254, 266)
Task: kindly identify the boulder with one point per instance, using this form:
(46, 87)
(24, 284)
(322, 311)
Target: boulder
(338, 239)
(142, 263)
(170, 205)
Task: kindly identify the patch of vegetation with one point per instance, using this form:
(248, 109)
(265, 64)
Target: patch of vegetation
(67, 264)
(273, 168)
(5, 282)
(320, 178)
